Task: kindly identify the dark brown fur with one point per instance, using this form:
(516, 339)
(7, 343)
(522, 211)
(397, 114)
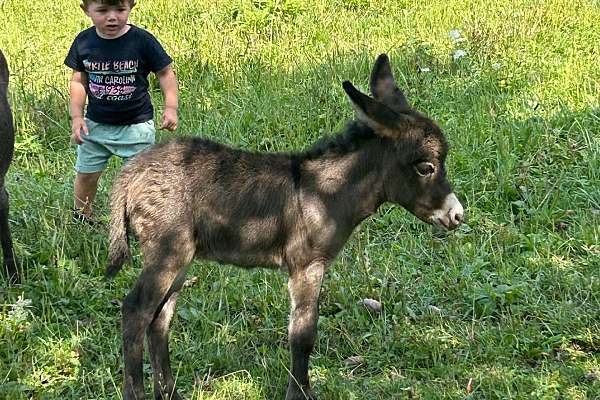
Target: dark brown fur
(193, 198)
(7, 141)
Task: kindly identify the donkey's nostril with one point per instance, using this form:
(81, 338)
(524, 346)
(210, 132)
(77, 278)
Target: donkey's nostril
(455, 218)
(458, 217)
(454, 211)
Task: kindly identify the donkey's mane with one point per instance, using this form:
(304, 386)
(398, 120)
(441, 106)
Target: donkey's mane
(351, 138)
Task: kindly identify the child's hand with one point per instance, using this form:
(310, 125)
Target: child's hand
(78, 126)
(169, 119)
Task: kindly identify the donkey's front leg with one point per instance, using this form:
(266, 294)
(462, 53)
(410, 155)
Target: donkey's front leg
(304, 286)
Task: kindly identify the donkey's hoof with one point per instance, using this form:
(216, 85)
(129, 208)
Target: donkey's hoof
(139, 394)
(171, 395)
(12, 270)
(295, 393)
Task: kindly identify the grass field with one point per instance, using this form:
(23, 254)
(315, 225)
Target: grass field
(510, 301)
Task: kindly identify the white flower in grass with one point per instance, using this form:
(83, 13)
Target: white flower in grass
(424, 69)
(19, 312)
(496, 66)
(454, 34)
(458, 54)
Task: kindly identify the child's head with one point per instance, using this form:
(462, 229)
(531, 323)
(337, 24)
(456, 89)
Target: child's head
(108, 16)
(86, 3)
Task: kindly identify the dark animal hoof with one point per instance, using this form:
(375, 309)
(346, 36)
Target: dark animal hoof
(294, 393)
(12, 270)
(168, 396)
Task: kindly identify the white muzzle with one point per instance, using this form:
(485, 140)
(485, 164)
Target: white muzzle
(451, 215)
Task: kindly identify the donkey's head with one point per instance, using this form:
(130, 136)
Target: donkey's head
(414, 173)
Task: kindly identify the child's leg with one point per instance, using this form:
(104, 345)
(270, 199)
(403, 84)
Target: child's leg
(85, 188)
(92, 157)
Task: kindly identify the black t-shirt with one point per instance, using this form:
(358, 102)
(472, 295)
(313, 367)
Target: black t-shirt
(117, 74)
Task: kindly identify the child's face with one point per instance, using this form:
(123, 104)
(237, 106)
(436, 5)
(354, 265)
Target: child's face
(110, 21)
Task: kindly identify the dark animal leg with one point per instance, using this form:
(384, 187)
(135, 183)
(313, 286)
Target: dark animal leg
(304, 287)
(163, 265)
(10, 265)
(138, 311)
(158, 346)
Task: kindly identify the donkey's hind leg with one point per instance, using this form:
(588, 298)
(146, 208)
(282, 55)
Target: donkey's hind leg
(10, 265)
(158, 344)
(165, 259)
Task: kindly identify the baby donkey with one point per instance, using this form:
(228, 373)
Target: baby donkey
(192, 198)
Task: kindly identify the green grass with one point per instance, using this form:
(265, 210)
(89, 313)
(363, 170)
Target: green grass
(510, 300)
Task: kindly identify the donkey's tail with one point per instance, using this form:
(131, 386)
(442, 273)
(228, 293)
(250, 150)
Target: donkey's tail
(118, 250)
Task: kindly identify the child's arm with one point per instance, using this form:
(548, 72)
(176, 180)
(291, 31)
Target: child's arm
(168, 84)
(76, 103)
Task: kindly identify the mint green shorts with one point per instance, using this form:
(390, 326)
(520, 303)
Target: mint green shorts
(106, 140)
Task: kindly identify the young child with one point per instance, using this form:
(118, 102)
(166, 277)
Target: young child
(111, 62)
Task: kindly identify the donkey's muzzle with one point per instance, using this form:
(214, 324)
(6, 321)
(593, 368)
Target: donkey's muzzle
(451, 215)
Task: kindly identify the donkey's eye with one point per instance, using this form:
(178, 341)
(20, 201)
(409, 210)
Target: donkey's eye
(424, 168)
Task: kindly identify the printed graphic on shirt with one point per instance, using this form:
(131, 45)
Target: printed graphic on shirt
(111, 80)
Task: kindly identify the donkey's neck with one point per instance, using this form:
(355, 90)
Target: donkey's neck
(351, 183)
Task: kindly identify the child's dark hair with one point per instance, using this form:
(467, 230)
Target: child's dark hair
(86, 3)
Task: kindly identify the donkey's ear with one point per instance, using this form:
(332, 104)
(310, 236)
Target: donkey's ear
(378, 116)
(383, 86)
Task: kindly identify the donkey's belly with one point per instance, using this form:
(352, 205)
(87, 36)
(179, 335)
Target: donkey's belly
(243, 241)
(245, 260)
